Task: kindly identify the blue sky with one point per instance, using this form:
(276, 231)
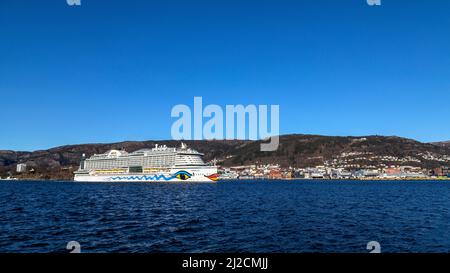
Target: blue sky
(112, 70)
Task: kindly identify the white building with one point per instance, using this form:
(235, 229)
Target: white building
(21, 168)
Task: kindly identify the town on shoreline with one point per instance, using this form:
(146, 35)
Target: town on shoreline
(328, 171)
(275, 172)
(272, 172)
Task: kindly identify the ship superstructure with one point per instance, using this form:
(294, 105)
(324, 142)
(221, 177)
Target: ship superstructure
(161, 163)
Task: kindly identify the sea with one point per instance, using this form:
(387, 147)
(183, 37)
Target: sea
(298, 216)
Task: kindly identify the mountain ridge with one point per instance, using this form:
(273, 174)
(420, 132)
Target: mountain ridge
(295, 150)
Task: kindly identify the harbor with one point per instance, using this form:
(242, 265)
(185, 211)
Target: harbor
(275, 172)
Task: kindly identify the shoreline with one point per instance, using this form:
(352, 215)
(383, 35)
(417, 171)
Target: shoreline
(237, 180)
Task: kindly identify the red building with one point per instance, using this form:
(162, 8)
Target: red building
(275, 174)
(442, 171)
(392, 171)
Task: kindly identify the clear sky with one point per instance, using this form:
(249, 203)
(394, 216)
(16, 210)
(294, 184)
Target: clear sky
(112, 70)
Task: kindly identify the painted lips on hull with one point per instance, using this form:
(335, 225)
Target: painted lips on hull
(213, 177)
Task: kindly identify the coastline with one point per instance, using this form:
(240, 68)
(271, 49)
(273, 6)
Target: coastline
(237, 180)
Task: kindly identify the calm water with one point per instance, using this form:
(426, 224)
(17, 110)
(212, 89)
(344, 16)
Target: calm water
(297, 216)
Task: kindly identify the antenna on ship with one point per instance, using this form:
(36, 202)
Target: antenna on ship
(83, 158)
(183, 145)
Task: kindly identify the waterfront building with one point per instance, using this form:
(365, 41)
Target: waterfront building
(21, 168)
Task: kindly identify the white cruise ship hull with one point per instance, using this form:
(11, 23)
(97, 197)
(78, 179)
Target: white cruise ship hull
(176, 175)
(160, 164)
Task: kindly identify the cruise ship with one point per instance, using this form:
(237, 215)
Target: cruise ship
(159, 164)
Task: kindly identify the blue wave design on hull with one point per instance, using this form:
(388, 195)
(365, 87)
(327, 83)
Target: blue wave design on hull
(150, 177)
(143, 178)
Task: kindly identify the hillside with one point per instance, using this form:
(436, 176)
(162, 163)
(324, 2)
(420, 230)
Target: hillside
(442, 143)
(294, 150)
